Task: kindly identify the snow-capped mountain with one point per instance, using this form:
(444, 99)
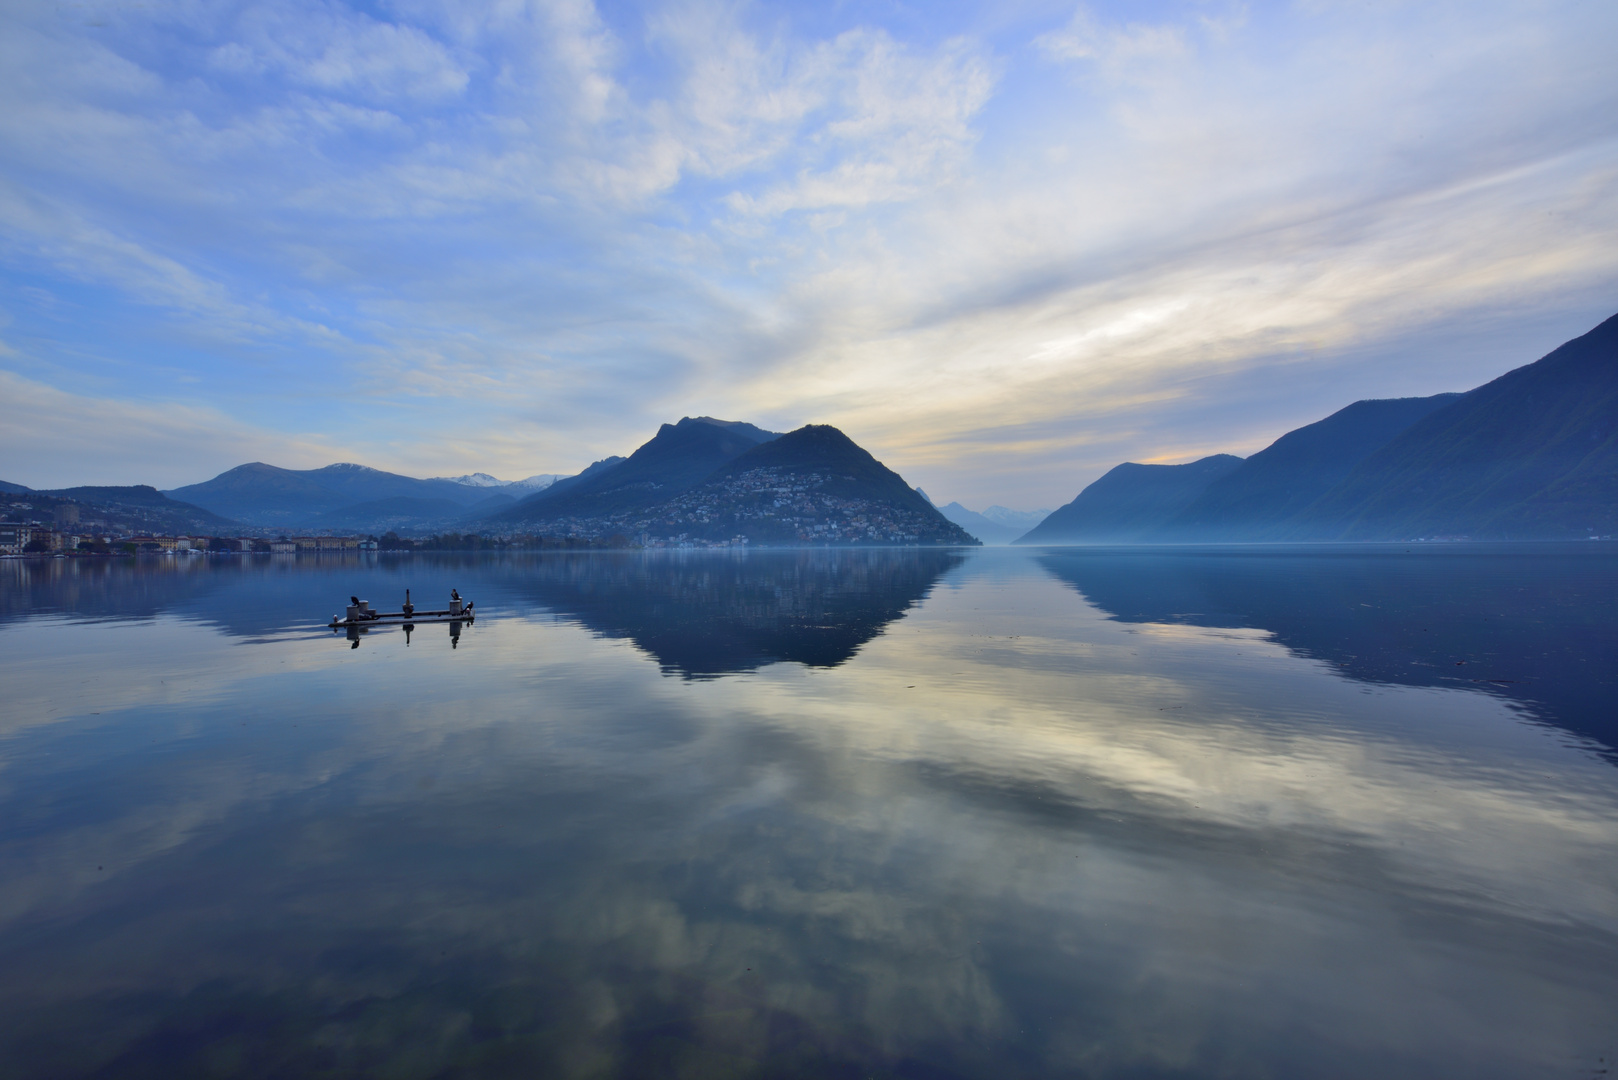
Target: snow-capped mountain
(531, 484)
(477, 479)
(526, 486)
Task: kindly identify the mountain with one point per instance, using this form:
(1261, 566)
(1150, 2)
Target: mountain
(11, 489)
(497, 501)
(1130, 502)
(477, 480)
(1016, 519)
(980, 526)
(123, 510)
(399, 512)
(1257, 499)
(568, 483)
(814, 485)
(821, 450)
(703, 481)
(677, 458)
(1532, 454)
(515, 488)
(529, 484)
(264, 495)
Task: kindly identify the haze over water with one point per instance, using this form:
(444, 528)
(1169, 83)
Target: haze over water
(1323, 812)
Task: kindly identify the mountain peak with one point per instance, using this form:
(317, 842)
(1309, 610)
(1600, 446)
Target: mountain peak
(678, 457)
(477, 479)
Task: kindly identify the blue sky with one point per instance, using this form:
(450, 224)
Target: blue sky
(1004, 246)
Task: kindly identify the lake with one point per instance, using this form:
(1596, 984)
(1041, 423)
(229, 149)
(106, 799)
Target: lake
(1248, 812)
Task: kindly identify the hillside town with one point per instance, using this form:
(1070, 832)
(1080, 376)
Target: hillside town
(764, 505)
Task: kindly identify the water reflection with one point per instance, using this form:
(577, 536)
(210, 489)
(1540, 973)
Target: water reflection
(1008, 835)
(1530, 623)
(355, 634)
(247, 597)
(696, 615)
(702, 615)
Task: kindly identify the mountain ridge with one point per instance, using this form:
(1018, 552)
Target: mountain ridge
(980, 526)
(678, 457)
(1258, 497)
(1129, 502)
(1532, 454)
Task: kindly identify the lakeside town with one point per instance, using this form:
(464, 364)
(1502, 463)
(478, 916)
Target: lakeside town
(759, 506)
(47, 526)
(64, 531)
(33, 540)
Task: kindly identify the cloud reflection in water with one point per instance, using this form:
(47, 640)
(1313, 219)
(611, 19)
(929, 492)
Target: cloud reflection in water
(1006, 835)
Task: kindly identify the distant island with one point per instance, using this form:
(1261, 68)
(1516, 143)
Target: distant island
(1531, 455)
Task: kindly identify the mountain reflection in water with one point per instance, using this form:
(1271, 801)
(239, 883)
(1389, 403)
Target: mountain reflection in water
(699, 615)
(1534, 623)
(711, 615)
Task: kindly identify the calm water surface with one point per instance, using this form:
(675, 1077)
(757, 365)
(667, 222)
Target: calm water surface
(1109, 813)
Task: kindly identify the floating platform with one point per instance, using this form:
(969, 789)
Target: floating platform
(359, 614)
(396, 618)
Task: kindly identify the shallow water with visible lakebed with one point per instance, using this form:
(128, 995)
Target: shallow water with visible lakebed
(1253, 812)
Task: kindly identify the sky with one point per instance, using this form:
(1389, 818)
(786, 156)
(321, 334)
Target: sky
(1004, 246)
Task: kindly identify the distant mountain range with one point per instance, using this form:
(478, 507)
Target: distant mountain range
(700, 480)
(979, 526)
(1016, 519)
(997, 524)
(484, 480)
(351, 496)
(1531, 455)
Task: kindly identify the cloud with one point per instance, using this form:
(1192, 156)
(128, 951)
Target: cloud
(896, 124)
(331, 47)
(53, 438)
(553, 226)
(1085, 37)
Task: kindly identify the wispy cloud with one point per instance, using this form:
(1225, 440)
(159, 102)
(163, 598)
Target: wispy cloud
(119, 441)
